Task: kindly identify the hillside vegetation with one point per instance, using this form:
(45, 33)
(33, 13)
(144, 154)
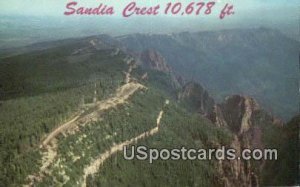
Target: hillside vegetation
(66, 107)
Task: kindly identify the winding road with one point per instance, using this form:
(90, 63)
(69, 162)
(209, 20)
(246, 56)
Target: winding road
(95, 166)
(49, 144)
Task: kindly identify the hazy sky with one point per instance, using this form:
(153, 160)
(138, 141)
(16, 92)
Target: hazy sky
(57, 7)
(279, 14)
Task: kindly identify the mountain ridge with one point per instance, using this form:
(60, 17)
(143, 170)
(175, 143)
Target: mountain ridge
(255, 62)
(44, 89)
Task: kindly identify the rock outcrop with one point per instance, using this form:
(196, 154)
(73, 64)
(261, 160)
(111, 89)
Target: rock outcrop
(245, 119)
(151, 59)
(198, 98)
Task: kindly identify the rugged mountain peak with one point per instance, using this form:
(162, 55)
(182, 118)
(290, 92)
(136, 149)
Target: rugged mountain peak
(240, 113)
(237, 112)
(243, 116)
(153, 60)
(209, 57)
(197, 97)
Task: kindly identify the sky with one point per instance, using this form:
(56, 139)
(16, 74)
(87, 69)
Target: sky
(278, 14)
(57, 7)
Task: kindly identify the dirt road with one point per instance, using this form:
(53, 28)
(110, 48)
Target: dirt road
(49, 144)
(95, 166)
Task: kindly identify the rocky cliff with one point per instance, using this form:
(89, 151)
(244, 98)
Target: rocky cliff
(152, 59)
(248, 124)
(239, 61)
(197, 98)
(247, 121)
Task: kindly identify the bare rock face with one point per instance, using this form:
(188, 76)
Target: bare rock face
(237, 112)
(151, 59)
(248, 124)
(245, 119)
(217, 116)
(198, 98)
